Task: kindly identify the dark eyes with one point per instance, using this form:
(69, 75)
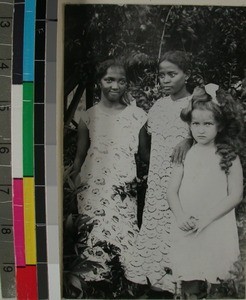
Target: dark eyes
(122, 81)
(162, 75)
(206, 124)
(109, 80)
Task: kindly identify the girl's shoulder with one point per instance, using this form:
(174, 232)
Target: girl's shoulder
(197, 152)
(137, 111)
(89, 110)
(85, 115)
(166, 102)
(236, 164)
(191, 152)
(160, 102)
(185, 101)
(159, 106)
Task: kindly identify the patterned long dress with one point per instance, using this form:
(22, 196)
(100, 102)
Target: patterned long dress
(151, 257)
(106, 177)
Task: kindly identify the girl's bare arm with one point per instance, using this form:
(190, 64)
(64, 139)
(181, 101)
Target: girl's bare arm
(184, 221)
(83, 143)
(235, 194)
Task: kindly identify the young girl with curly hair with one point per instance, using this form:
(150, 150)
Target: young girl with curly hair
(204, 191)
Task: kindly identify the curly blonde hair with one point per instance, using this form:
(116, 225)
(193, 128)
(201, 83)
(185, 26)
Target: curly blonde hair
(228, 114)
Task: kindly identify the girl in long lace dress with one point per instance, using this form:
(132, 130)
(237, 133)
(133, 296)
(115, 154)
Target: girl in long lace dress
(109, 135)
(150, 262)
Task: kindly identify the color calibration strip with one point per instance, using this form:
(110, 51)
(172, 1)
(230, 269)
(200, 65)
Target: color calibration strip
(6, 219)
(30, 271)
(34, 178)
(40, 193)
(22, 156)
(17, 147)
(52, 204)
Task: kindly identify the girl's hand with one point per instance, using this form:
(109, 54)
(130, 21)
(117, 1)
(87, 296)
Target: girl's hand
(180, 151)
(202, 223)
(186, 222)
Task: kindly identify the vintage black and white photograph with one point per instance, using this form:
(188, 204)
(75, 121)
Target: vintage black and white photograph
(154, 100)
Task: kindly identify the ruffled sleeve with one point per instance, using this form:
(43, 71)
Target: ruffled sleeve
(84, 116)
(141, 116)
(152, 116)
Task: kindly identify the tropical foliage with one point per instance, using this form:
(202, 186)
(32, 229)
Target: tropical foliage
(213, 35)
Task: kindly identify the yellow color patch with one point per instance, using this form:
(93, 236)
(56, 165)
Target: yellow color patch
(29, 221)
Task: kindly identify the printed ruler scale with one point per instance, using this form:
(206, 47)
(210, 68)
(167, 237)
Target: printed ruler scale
(17, 148)
(23, 152)
(6, 219)
(39, 159)
(28, 166)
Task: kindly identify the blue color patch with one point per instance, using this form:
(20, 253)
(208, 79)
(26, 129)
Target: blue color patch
(29, 40)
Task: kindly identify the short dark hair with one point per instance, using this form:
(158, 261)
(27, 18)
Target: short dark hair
(101, 69)
(179, 58)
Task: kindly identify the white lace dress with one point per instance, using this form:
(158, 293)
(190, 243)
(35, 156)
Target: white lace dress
(151, 256)
(107, 195)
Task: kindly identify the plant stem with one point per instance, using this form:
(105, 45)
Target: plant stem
(163, 34)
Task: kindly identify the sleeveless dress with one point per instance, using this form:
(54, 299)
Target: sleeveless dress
(151, 255)
(210, 254)
(107, 176)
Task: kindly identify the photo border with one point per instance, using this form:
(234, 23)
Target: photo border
(60, 76)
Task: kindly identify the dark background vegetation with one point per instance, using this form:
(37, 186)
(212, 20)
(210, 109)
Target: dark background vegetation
(214, 37)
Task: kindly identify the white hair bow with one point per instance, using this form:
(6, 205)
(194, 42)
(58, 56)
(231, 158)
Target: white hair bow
(211, 89)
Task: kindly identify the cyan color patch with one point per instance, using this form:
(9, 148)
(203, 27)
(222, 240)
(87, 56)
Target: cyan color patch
(29, 40)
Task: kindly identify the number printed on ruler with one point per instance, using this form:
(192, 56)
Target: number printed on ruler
(5, 79)
(5, 134)
(7, 266)
(5, 34)
(6, 223)
(5, 153)
(6, 233)
(5, 67)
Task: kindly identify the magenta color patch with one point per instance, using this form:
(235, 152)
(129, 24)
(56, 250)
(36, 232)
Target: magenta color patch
(18, 222)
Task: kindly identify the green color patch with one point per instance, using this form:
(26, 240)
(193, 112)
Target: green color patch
(28, 129)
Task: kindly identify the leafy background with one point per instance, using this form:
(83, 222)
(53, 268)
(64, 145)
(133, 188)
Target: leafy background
(214, 37)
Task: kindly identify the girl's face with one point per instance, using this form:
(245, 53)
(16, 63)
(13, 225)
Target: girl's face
(203, 126)
(172, 79)
(113, 84)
